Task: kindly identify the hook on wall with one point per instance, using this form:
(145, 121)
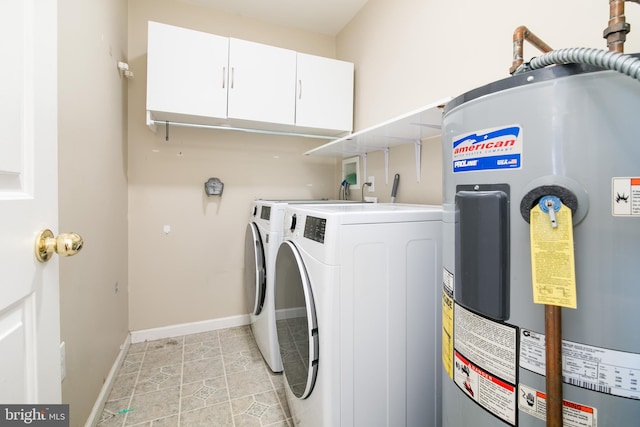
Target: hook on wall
(213, 187)
(124, 67)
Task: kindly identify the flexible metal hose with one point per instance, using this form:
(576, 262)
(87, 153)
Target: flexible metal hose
(609, 60)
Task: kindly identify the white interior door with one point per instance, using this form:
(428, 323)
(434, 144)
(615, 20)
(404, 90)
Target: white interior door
(29, 294)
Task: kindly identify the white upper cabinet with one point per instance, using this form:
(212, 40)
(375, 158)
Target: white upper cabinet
(261, 82)
(204, 79)
(324, 93)
(186, 73)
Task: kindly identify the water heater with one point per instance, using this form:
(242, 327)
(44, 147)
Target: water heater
(565, 138)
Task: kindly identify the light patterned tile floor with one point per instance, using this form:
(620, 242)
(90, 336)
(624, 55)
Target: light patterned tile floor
(212, 379)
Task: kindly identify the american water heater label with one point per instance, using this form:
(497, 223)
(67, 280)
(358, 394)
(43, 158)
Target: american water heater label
(625, 200)
(599, 369)
(488, 149)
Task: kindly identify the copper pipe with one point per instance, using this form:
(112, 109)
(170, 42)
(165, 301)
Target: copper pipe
(616, 32)
(553, 334)
(521, 34)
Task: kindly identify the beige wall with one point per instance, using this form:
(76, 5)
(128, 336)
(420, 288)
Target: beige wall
(92, 193)
(409, 53)
(194, 273)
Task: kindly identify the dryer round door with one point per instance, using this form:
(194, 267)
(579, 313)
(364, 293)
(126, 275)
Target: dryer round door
(296, 321)
(255, 278)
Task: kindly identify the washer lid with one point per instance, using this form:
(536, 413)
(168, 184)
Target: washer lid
(296, 321)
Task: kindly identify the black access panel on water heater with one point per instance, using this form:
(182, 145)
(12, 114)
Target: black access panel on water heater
(482, 259)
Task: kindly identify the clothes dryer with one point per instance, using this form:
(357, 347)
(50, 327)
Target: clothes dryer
(263, 235)
(357, 310)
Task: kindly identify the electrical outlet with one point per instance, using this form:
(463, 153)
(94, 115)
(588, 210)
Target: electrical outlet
(372, 187)
(63, 361)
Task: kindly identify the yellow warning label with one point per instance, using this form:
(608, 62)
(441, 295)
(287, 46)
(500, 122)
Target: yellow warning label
(447, 322)
(552, 258)
(447, 333)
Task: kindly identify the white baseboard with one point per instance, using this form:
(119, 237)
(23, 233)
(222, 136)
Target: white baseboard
(188, 328)
(96, 412)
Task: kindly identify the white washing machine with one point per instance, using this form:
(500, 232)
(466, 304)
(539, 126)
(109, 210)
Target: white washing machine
(263, 235)
(357, 300)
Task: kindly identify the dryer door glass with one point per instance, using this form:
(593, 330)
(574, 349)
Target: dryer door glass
(255, 278)
(296, 321)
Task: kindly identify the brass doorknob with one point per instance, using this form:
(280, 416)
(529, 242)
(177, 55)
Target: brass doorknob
(66, 244)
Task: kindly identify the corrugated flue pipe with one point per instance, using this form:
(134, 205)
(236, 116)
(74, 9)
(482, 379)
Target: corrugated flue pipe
(521, 34)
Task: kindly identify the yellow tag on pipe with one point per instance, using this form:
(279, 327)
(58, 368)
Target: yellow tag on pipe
(552, 257)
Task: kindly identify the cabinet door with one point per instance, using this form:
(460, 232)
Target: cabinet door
(324, 93)
(261, 82)
(186, 73)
